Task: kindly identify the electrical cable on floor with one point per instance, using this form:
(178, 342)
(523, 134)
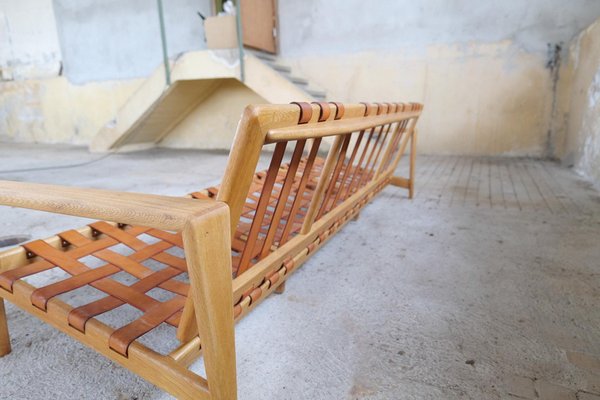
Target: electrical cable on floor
(48, 168)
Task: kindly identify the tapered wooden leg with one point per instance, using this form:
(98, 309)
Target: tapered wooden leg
(413, 157)
(280, 289)
(4, 338)
(207, 243)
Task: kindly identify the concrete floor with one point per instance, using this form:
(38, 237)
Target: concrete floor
(485, 286)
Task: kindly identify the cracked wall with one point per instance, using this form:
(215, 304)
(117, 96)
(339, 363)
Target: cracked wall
(489, 84)
(488, 74)
(581, 104)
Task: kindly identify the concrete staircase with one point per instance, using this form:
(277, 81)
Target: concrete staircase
(201, 107)
(286, 72)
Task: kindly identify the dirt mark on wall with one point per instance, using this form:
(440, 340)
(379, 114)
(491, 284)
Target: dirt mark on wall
(553, 61)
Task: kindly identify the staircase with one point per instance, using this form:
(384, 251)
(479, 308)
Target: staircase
(286, 72)
(201, 107)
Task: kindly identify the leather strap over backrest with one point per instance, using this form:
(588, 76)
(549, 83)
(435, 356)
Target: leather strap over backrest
(305, 112)
(339, 110)
(324, 111)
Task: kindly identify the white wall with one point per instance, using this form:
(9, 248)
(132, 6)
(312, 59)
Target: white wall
(120, 39)
(29, 46)
(328, 27)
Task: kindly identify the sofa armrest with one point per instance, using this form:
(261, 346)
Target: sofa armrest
(155, 211)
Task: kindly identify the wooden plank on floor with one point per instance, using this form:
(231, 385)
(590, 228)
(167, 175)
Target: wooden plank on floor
(458, 182)
(424, 166)
(472, 187)
(536, 196)
(424, 190)
(511, 202)
(515, 173)
(496, 184)
(570, 187)
(484, 193)
(546, 196)
(445, 179)
(557, 203)
(555, 189)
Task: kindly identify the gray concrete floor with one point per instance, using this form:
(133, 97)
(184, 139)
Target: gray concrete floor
(485, 286)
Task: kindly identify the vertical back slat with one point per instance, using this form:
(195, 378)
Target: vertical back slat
(331, 160)
(364, 175)
(301, 189)
(283, 197)
(263, 202)
(394, 147)
(354, 183)
(350, 171)
(384, 141)
(335, 176)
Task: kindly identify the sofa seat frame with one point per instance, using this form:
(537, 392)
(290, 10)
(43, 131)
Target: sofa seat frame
(241, 240)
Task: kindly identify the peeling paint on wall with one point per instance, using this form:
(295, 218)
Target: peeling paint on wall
(582, 104)
(480, 99)
(55, 111)
(326, 27)
(594, 91)
(488, 85)
(29, 45)
(589, 163)
(553, 65)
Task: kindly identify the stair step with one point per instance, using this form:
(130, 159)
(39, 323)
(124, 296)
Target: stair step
(281, 68)
(286, 71)
(298, 81)
(319, 94)
(265, 56)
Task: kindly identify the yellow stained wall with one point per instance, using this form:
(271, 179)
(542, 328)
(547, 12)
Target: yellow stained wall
(213, 123)
(53, 110)
(480, 99)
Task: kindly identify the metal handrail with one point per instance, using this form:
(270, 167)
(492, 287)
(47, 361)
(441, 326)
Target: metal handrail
(238, 18)
(163, 37)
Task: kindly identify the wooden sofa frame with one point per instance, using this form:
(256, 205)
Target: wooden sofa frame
(257, 227)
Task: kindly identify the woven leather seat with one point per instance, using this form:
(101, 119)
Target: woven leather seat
(105, 236)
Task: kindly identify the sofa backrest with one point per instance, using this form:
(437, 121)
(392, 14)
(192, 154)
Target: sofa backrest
(323, 159)
(318, 156)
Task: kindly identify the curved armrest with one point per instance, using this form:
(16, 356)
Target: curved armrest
(160, 212)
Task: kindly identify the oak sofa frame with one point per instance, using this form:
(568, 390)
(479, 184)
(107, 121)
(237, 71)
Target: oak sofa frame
(272, 220)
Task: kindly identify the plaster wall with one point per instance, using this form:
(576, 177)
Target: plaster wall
(125, 35)
(479, 98)
(29, 46)
(57, 88)
(345, 26)
(485, 71)
(581, 100)
(54, 110)
(481, 69)
(211, 124)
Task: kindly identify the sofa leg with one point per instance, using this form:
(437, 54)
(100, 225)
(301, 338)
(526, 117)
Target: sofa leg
(413, 156)
(207, 244)
(280, 289)
(4, 337)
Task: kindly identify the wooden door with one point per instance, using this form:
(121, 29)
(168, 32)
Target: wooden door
(259, 24)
